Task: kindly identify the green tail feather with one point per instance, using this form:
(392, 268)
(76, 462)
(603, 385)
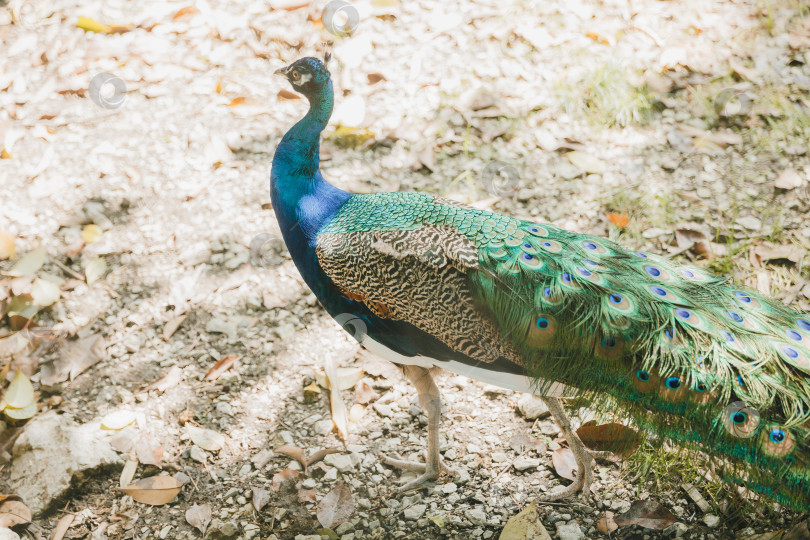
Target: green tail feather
(689, 356)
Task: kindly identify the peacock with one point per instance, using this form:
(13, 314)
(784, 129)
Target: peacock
(531, 307)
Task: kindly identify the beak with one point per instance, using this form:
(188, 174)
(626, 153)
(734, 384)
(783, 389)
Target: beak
(281, 71)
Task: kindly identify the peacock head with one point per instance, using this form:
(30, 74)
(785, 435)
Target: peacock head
(307, 75)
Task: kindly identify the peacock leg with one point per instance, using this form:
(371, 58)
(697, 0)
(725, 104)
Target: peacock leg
(584, 475)
(431, 402)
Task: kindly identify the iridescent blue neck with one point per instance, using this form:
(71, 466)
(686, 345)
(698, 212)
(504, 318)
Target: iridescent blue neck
(302, 199)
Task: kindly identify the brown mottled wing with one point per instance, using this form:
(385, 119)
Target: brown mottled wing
(419, 276)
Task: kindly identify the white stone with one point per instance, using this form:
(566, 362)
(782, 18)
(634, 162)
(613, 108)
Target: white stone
(789, 179)
(711, 520)
(341, 462)
(532, 407)
(414, 512)
(750, 222)
(53, 448)
(569, 531)
(476, 516)
(8, 534)
(523, 463)
(499, 457)
(323, 427)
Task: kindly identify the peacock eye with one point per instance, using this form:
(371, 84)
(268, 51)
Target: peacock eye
(296, 75)
(777, 435)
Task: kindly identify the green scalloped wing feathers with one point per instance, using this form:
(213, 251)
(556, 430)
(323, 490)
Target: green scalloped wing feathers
(690, 357)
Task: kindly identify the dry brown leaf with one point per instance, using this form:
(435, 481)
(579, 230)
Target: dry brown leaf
(14, 512)
(770, 252)
(284, 476)
(62, 527)
(340, 415)
(320, 454)
(611, 437)
(148, 450)
(90, 25)
(91, 233)
(585, 161)
(172, 325)
(364, 393)
(260, 498)
(185, 13)
(73, 359)
(374, 78)
(522, 441)
(28, 263)
(206, 439)
(221, 366)
(20, 393)
(94, 269)
(155, 490)
(527, 525)
(294, 452)
(605, 524)
(648, 514)
(692, 238)
(117, 420)
(307, 495)
(170, 379)
(336, 507)
(620, 220)
(199, 516)
(128, 472)
(564, 463)
(347, 377)
(7, 250)
(286, 95)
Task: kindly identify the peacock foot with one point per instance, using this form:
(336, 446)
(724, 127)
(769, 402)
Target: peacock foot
(430, 471)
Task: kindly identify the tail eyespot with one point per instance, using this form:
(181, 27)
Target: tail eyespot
(777, 441)
(740, 420)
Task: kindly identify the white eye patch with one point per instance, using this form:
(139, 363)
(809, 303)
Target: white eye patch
(305, 78)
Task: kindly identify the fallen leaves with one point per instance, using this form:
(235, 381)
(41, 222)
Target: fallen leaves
(154, 490)
(28, 263)
(19, 401)
(221, 366)
(73, 358)
(199, 516)
(206, 439)
(605, 524)
(620, 220)
(299, 454)
(284, 476)
(13, 511)
(612, 437)
(564, 463)
(336, 507)
(770, 252)
(340, 415)
(7, 249)
(526, 525)
(585, 161)
(118, 420)
(260, 498)
(170, 379)
(648, 514)
(94, 269)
